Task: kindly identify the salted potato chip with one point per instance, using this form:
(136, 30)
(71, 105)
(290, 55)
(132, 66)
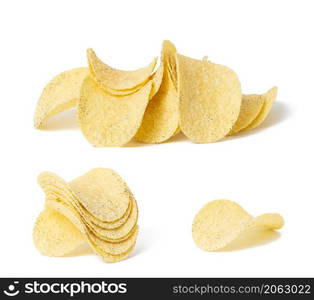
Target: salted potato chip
(161, 118)
(107, 77)
(156, 79)
(268, 98)
(60, 94)
(220, 222)
(210, 99)
(169, 57)
(250, 107)
(55, 235)
(106, 120)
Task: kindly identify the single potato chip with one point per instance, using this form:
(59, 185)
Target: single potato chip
(55, 235)
(220, 222)
(169, 57)
(161, 118)
(268, 98)
(210, 99)
(250, 107)
(107, 77)
(60, 94)
(156, 79)
(106, 120)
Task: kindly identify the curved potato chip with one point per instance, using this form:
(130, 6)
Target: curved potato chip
(169, 57)
(210, 99)
(102, 192)
(60, 94)
(220, 222)
(156, 79)
(161, 118)
(110, 121)
(55, 235)
(269, 98)
(107, 77)
(250, 107)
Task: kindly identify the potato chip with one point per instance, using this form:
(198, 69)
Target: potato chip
(250, 107)
(107, 77)
(210, 99)
(220, 222)
(156, 79)
(169, 56)
(161, 118)
(110, 121)
(60, 94)
(55, 235)
(269, 98)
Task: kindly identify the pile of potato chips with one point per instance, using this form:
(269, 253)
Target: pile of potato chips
(200, 98)
(97, 208)
(221, 222)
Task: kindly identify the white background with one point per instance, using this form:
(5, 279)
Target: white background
(267, 170)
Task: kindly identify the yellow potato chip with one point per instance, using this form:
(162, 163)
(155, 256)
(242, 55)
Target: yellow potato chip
(55, 235)
(106, 120)
(269, 98)
(210, 99)
(60, 94)
(220, 222)
(156, 79)
(250, 107)
(161, 118)
(107, 77)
